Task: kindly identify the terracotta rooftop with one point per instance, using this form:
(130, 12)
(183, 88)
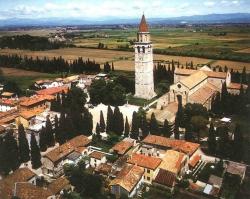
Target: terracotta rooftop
(9, 102)
(36, 99)
(172, 161)
(178, 145)
(53, 90)
(97, 155)
(143, 27)
(236, 168)
(104, 168)
(194, 161)
(236, 86)
(203, 94)
(28, 114)
(165, 178)
(122, 147)
(8, 183)
(194, 79)
(128, 177)
(187, 72)
(30, 191)
(182, 71)
(62, 151)
(59, 184)
(8, 116)
(144, 161)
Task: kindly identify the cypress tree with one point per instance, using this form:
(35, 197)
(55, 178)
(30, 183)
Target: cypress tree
(10, 151)
(135, 126)
(43, 140)
(102, 122)
(118, 122)
(69, 127)
(238, 143)
(97, 131)
(144, 126)
(126, 128)
(166, 130)
(244, 76)
(154, 128)
(2, 156)
(224, 97)
(56, 129)
(62, 135)
(179, 118)
(23, 145)
(49, 133)
(211, 139)
(35, 153)
(110, 119)
(88, 123)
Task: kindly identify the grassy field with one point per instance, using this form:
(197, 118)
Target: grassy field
(123, 60)
(25, 78)
(210, 43)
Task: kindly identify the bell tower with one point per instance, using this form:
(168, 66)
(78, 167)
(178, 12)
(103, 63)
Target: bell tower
(144, 67)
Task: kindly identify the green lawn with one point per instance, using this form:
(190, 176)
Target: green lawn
(199, 42)
(25, 82)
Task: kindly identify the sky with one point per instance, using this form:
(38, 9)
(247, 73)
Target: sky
(100, 9)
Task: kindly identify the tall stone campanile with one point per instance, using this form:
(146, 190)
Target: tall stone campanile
(144, 77)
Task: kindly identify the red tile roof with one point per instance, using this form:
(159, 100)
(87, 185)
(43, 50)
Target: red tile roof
(30, 191)
(59, 184)
(62, 151)
(122, 147)
(144, 161)
(8, 183)
(212, 74)
(37, 99)
(172, 161)
(53, 90)
(178, 145)
(97, 155)
(104, 168)
(203, 94)
(128, 177)
(165, 178)
(28, 114)
(8, 102)
(193, 162)
(143, 27)
(236, 86)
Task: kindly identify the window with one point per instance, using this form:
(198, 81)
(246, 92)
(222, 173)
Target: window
(138, 49)
(179, 86)
(148, 178)
(148, 170)
(143, 49)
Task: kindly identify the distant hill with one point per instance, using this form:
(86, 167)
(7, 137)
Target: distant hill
(195, 19)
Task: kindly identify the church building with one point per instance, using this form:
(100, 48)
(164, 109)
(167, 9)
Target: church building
(197, 86)
(144, 67)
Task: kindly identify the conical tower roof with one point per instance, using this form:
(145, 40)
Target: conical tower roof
(143, 27)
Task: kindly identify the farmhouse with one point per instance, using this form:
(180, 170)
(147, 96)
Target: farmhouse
(128, 181)
(8, 104)
(160, 144)
(36, 101)
(97, 158)
(150, 164)
(54, 160)
(22, 175)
